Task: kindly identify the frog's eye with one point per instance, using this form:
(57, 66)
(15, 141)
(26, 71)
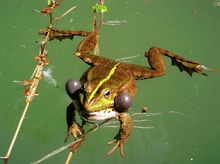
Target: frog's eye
(106, 93)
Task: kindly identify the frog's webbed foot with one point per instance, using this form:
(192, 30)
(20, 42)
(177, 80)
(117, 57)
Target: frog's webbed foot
(183, 64)
(123, 134)
(190, 66)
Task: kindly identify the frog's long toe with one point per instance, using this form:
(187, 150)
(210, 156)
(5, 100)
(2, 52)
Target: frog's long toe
(77, 134)
(118, 144)
(75, 131)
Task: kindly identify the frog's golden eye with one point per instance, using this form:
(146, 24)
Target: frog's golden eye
(106, 93)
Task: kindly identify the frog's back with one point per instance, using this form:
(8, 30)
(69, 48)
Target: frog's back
(115, 76)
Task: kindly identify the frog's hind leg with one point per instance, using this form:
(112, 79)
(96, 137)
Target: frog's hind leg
(183, 64)
(157, 66)
(62, 34)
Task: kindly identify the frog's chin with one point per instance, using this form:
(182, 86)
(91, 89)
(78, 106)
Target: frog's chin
(102, 115)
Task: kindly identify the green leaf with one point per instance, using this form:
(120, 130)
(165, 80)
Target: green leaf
(100, 8)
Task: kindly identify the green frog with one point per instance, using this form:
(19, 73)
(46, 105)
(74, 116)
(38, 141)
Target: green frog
(106, 89)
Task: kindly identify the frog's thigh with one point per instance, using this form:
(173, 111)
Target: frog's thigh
(156, 61)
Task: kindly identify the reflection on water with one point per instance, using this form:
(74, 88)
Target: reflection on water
(114, 22)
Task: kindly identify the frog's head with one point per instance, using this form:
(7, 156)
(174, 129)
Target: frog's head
(103, 92)
(95, 98)
(107, 90)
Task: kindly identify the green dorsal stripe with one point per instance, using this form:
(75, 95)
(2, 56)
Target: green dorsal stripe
(112, 71)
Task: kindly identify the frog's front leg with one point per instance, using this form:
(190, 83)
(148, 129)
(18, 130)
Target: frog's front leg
(73, 127)
(123, 134)
(88, 44)
(72, 89)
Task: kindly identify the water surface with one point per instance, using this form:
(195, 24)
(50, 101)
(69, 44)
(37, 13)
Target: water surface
(187, 129)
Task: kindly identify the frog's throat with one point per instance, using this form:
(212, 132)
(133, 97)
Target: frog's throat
(112, 71)
(99, 115)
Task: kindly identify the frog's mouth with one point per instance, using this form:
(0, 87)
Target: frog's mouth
(99, 115)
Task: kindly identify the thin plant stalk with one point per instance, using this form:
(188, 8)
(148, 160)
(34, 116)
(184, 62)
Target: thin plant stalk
(36, 76)
(16, 134)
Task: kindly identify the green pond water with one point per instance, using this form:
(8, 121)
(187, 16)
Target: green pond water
(186, 110)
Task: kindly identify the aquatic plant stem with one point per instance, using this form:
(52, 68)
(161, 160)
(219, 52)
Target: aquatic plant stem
(69, 158)
(34, 85)
(36, 77)
(16, 134)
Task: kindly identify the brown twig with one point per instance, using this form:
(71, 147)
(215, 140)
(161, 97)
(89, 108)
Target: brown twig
(30, 93)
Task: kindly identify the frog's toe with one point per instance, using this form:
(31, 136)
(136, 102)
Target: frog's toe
(67, 137)
(77, 53)
(75, 131)
(118, 144)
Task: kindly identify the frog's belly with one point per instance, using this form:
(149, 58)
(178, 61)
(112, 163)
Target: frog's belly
(100, 115)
